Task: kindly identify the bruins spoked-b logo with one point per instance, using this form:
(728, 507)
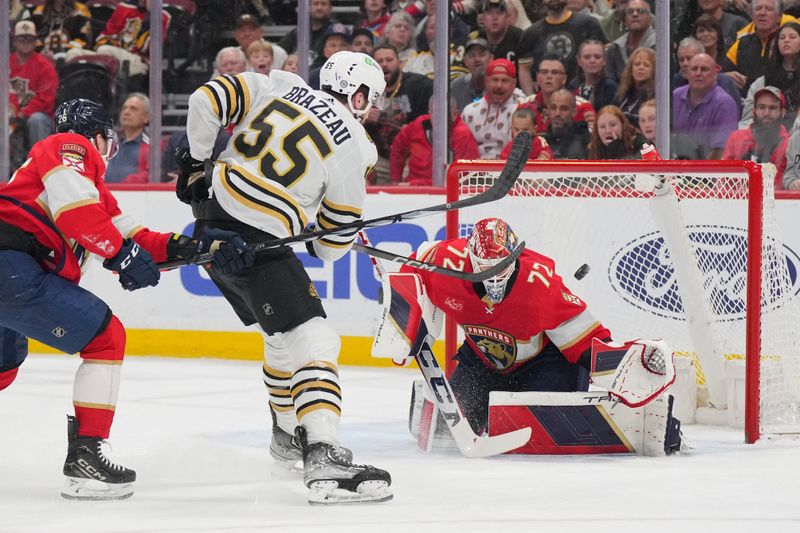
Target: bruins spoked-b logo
(498, 348)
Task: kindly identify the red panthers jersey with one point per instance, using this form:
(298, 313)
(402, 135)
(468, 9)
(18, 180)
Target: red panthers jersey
(537, 309)
(59, 196)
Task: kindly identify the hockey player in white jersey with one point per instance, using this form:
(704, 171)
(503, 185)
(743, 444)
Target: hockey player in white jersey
(296, 157)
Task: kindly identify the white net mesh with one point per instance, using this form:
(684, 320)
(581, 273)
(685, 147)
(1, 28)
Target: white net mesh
(605, 216)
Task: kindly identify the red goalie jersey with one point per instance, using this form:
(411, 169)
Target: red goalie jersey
(537, 309)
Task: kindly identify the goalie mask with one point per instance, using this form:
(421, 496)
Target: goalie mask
(346, 72)
(491, 241)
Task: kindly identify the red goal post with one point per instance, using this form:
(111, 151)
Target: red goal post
(688, 251)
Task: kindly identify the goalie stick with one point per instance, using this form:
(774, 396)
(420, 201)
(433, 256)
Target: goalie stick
(470, 444)
(511, 171)
(436, 269)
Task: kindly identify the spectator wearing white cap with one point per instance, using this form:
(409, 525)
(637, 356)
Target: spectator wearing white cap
(33, 90)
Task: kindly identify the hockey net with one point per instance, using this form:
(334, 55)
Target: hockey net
(686, 251)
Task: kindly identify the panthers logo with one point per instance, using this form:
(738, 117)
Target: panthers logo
(497, 353)
(21, 87)
(499, 349)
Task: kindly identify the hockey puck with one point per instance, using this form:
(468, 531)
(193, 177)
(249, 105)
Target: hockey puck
(582, 271)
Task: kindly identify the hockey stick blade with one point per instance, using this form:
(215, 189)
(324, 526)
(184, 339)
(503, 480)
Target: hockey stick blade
(475, 446)
(470, 444)
(508, 176)
(436, 269)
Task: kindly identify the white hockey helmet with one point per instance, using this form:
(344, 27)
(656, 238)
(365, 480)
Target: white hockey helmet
(345, 72)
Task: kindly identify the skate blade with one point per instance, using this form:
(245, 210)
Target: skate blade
(329, 493)
(91, 489)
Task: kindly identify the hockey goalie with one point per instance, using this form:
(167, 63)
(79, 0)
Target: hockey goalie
(531, 350)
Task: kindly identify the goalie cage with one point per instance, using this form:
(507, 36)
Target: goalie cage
(687, 251)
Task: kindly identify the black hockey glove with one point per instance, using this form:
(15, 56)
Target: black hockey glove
(231, 253)
(192, 185)
(135, 267)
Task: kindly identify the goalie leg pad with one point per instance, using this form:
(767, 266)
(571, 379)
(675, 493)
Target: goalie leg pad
(425, 421)
(662, 431)
(405, 308)
(585, 423)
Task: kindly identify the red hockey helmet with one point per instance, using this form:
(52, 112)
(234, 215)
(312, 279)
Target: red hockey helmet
(491, 241)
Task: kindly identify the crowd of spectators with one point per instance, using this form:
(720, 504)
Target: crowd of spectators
(578, 74)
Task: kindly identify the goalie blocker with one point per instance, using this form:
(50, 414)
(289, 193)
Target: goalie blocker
(632, 415)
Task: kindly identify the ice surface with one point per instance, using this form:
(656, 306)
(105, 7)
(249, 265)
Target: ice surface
(196, 431)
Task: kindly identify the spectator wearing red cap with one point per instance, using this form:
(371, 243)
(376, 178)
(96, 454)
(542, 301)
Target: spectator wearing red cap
(413, 147)
(489, 118)
(550, 77)
(766, 139)
(33, 92)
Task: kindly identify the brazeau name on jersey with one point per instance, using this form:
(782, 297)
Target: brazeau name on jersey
(322, 110)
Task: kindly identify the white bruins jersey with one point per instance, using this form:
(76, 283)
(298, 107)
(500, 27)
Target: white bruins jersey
(296, 155)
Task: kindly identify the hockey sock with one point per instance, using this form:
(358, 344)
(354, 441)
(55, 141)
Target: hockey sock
(96, 384)
(279, 384)
(318, 400)
(7, 377)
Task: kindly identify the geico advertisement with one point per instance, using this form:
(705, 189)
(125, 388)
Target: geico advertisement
(631, 273)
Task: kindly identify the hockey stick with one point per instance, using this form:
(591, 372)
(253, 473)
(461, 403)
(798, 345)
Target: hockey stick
(470, 444)
(511, 171)
(436, 269)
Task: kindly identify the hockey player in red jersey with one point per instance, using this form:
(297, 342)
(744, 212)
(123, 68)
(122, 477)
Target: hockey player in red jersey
(54, 214)
(524, 330)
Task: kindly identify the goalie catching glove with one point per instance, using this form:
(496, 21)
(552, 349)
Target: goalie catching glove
(636, 372)
(231, 253)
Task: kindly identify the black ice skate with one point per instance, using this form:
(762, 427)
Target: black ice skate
(90, 475)
(286, 451)
(332, 478)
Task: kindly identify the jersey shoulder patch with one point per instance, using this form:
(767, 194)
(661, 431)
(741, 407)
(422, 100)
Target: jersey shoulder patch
(73, 156)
